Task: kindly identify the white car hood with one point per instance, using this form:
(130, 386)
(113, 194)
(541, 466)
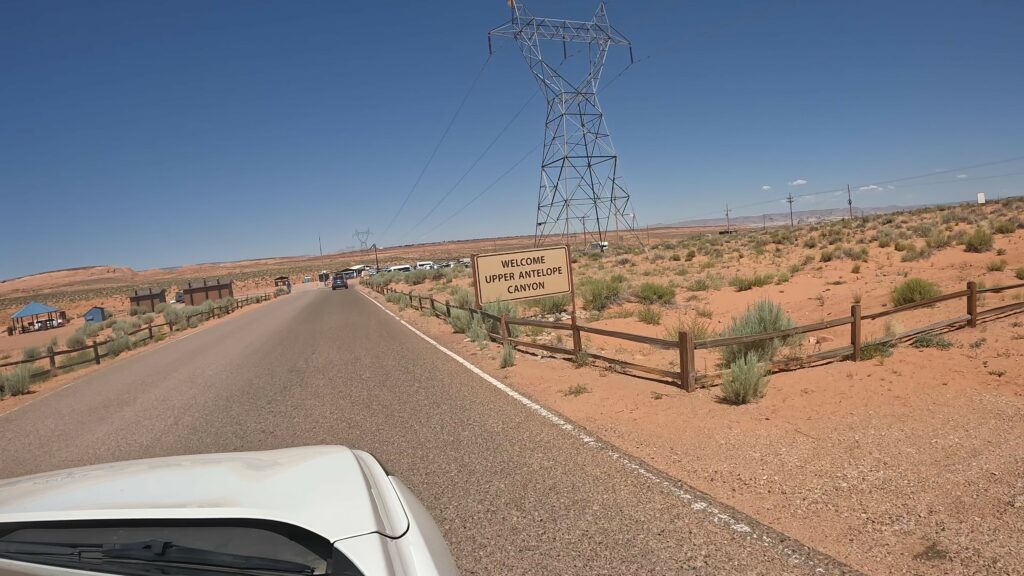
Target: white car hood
(330, 490)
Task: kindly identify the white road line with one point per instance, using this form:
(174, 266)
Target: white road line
(697, 502)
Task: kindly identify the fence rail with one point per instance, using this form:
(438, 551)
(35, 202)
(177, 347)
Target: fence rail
(151, 330)
(688, 377)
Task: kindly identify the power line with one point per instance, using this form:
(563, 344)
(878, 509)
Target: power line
(475, 162)
(484, 191)
(437, 147)
(789, 198)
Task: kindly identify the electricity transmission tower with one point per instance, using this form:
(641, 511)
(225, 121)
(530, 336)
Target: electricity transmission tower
(363, 236)
(580, 190)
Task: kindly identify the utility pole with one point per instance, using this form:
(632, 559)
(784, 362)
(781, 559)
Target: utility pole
(849, 200)
(728, 223)
(320, 242)
(789, 199)
(376, 260)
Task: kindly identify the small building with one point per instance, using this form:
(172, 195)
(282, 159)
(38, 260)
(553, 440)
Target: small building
(147, 299)
(283, 282)
(352, 271)
(95, 315)
(199, 291)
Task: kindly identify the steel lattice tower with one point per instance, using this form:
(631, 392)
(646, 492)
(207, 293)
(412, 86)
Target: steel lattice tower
(580, 190)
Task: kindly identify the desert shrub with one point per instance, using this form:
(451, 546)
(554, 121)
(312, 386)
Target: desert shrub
(675, 257)
(120, 344)
(997, 265)
(782, 278)
(280, 291)
(762, 317)
(649, 315)
(623, 261)
(980, 240)
(811, 242)
(136, 310)
(913, 290)
(194, 322)
(902, 245)
(690, 254)
(745, 381)
(498, 308)
(598, 294)
(699, 328)
(31, 353)
(174, 315)
(1000, 251)
(477, 332)
(552, 304)
(827, 255)
(856, 253)
(461, 321)
(744, 283)
(76, 359)
(76, 340)
(16, 381)
(706, 283)
(654, 293)
(937, 240)
(1019, 273)
(462, 297)
(398, 299)
(913, 253)
(932, 341)
(1003, 227)
(875, 349)
(855, 268)
(148, 318)
(508, 356)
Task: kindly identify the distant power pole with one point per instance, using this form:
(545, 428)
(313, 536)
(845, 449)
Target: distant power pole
(849, 200)
(728, 223)
(789, 199)
(318, 241)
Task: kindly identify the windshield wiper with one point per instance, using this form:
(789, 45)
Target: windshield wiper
(152, 552)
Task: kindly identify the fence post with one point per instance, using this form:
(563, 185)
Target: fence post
(96, 351)
(972, 304)
(53, 358)
(686, 376)
(447, 308)
(433, 311)
(504, 329)
(150, 330)
(577, 345)
(855, 331)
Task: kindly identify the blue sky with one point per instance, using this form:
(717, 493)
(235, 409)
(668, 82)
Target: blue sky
(154, 134)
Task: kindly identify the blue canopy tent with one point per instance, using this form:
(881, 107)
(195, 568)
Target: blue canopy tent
(32, 312)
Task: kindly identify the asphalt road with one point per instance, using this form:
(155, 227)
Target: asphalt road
(513, 493)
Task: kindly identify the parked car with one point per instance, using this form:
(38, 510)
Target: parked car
(425, 265)
(179, 297)
(313, 510)
(339, 282)
(400, 268)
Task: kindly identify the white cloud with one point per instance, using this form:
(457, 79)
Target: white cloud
(961, 176)
(799, 182)
(871, 188)
(891, 187)
(766, 187)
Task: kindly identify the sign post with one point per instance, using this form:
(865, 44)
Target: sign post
(523, 275)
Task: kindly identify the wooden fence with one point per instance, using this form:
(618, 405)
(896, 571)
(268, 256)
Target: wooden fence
(688, 377)
(151, 331)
